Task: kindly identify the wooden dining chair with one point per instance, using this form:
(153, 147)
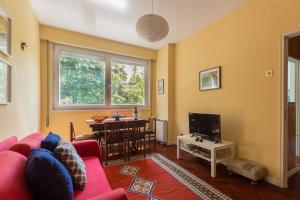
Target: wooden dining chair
(113, 135)
(134, 138)
(74, 137)
(150, 133)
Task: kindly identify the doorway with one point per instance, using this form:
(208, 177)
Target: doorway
(290, 157)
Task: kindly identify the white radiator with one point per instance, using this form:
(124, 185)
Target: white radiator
(162, 130)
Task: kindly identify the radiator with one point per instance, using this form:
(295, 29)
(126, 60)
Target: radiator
(162, 130)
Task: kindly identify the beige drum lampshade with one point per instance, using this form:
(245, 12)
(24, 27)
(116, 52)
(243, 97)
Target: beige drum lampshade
(152, 27)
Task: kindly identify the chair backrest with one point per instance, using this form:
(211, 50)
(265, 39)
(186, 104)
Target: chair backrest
(152, 124)
(113, 131)
(135, 127)
(72, 132)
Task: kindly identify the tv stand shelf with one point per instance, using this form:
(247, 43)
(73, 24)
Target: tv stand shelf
(215, 156)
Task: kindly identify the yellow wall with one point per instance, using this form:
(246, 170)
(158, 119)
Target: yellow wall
(22, 116)
(59, 120)
(245, 43)
(162, 73)
(165, 102)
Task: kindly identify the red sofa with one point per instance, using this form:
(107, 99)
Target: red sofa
(13, 156)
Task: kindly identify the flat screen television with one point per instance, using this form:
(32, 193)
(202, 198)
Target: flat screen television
(208, 126)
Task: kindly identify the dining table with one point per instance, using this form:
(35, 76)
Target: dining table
(99, 127)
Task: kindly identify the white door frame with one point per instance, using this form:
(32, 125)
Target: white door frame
(284, 108)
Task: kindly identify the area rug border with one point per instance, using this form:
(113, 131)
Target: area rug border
(192, 176)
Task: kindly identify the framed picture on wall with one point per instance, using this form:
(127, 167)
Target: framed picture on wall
(161, 86)
(5, 33)
(5, 82)
(210, 79)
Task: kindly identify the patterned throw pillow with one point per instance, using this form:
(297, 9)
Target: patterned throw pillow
(67, 154)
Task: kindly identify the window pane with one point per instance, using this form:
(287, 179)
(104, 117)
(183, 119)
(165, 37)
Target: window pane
(81, 80)
(127, 84)
(3, 82)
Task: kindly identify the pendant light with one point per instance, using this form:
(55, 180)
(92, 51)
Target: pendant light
(152, 27)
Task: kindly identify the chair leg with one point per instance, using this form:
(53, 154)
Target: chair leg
(128, 145)
(106, 148)
(102, 150)
(144, 147)
(155, 144)
(124, 156)
(149, 144)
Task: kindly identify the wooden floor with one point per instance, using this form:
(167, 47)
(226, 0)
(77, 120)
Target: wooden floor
(233, 186)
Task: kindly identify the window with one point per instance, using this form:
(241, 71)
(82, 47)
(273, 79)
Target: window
(127, 83)
(87, 79)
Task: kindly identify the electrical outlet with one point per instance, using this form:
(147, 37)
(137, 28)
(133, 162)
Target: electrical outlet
(269, 73)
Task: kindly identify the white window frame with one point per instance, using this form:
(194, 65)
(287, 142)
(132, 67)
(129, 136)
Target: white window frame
(58, 48)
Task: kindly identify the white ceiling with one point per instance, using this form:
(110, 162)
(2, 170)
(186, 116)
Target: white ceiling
(116, 19)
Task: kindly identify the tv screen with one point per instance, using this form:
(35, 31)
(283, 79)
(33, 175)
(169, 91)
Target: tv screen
(206, 125)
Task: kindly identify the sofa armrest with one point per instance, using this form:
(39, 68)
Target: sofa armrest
(88, 148)
(117, 194)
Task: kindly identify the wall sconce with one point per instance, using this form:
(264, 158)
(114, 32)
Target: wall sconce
(23, 45)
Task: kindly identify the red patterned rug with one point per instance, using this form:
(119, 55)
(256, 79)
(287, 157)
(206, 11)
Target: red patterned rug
(157, 178)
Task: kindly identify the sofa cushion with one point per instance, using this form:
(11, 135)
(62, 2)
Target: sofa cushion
(48, 178)
(13, 185)
(50, 142)
(25, 145)
(97, 182)
(6, 144)
(67, 154)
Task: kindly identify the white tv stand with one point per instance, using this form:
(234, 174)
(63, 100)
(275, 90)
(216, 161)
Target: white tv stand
(214, 158)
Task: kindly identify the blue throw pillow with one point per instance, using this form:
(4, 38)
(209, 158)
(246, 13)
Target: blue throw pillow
(47, 177)
(50, 142)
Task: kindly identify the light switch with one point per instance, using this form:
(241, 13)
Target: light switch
(269, 73)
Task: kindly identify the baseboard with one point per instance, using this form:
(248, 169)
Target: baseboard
(292, 172)
(272, 181)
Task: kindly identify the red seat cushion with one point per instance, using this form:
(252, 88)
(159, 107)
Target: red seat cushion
(25, 145)
(13, 185)
(97, 182)
(6, 144)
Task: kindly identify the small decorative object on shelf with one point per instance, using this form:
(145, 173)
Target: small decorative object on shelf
(117, 116)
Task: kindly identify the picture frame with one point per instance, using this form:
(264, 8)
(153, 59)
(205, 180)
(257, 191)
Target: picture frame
(5, 82)
(5, 33)
(210, 79)
(161, 86)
